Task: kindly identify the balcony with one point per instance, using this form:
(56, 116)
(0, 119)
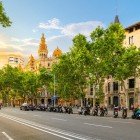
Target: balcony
(131, 90)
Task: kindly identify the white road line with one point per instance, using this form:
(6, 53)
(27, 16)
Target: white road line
(98, 125)
(36, 115)
(59, 119)
(122, 122)
(54, 131)
(7, 136)
(83, 118)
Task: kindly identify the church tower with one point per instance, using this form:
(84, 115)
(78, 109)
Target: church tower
(43, 51)
(116, 20)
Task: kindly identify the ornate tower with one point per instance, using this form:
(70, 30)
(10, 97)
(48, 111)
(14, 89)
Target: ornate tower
(116, 20)
(31, 64)
(43, 51)
(57, 52)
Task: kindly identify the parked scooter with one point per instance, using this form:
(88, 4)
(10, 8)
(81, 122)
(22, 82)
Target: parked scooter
(102, 112)
(116, 109)
(95, 111)
(105, 111)
(136, 114)
(80, 110)
(124, 113)
(69, 110)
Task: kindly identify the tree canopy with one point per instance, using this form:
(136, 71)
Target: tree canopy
(4, 19)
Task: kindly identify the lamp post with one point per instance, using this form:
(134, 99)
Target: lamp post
(54, 90)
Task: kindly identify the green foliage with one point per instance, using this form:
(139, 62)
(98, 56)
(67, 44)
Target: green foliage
(4, 19)
(91, 62)
(87, 63)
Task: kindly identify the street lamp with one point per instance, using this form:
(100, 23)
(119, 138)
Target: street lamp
(54, 89)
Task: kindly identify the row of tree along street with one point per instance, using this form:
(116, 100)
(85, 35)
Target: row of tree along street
(87, 62)
(90, 62)
(16, 84)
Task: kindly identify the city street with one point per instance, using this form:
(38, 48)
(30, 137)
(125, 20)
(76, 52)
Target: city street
(37, 125)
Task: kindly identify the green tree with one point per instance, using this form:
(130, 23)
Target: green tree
(70, 71)
(129, 66)
(33, 84)
(4, 19)
(8, 80)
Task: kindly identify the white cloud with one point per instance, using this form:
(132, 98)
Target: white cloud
(26, 41)
(7, 46)
(71, 29)
(83, 27)
(62, 41)
(51, 24)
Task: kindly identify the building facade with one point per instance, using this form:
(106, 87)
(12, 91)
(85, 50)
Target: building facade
(43, 61)
(13, 59)
(114, 92)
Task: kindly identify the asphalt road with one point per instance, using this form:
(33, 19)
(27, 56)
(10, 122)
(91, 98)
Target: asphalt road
(37, 125)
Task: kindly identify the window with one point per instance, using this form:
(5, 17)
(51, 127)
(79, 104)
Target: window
(16, 60)
(130, 30)
(115, 86)
(109, 86)
(11, 59)
(91, 89)
(109, 100)
(137, 27)
(131, 83)
(131, 40)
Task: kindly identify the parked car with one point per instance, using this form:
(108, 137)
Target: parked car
(24, 106)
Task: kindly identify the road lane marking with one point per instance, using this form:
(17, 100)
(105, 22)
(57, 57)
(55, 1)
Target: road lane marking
(59, 119)
(7, 136)
(99, 125)
(82, 118)
(122, 122)
(22, 113)
(54, 131)
(36, 115)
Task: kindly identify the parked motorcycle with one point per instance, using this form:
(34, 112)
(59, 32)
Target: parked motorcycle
(116, 112)
(105, 111)
(102, 111)
(124, 113)
(69, 110)
(95, 112)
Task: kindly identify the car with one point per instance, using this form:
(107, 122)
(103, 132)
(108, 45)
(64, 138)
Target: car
(24, 107)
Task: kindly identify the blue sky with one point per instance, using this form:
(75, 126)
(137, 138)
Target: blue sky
(60, 20)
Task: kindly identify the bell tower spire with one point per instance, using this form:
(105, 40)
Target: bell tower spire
(43, 51)
(116, 20)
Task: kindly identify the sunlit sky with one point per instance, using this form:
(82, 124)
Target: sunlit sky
(60, 20)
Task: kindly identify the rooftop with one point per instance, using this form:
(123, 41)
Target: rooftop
(133, 25)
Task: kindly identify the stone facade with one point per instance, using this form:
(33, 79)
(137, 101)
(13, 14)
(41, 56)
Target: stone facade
(13, 59)
(43, 59)
(114, 93)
